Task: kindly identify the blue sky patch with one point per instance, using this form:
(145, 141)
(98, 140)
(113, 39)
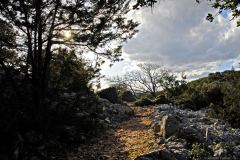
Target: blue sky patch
(225, 13)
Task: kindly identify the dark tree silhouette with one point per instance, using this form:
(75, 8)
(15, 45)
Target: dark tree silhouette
(85, 26)
(220, 5)
(7, 44)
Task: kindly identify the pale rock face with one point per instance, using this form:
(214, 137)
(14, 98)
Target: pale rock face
(220, 152)
(169, 126)
(113, 112)
(177, 129)
(199, 124)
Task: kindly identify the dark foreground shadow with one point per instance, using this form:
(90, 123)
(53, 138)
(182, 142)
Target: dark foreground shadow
(106, 147)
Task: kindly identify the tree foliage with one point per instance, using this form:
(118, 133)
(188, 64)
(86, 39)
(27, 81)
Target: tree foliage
(220, 5)
(82, 26)
(71, 73)
(7, 43)
(225, 5)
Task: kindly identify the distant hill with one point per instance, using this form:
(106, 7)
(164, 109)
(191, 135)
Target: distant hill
(220, 92)
(219, 77)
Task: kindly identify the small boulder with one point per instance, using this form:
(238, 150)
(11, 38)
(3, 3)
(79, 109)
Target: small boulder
(110, 94)
(219, 150)
(128, 96)
(192, 134)
(169, 126)
(156, 121)
(112, 113)
(157, 155)
(178, 147)
(236, 152)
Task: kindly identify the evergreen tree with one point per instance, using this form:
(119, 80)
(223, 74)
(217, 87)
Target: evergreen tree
(93, 26)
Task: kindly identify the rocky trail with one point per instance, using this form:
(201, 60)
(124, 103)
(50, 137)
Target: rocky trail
(125, 141)
(163, 132)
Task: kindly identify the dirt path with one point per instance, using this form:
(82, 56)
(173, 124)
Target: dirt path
(127, 141)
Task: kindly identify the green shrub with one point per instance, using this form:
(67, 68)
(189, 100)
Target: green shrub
(219, 91)
(215, 93)
(161, 100)
(199, 151)
(200, 100)
(216, 111)
(183, 100)
(144, 101)
(228, 109)
(231, 103)
(71, 73)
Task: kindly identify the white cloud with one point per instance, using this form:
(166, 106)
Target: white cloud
(177, 35)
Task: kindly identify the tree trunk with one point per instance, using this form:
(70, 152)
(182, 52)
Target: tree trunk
(153, 94)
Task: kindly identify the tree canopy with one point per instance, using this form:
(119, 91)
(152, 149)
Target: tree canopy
(7, 42)
(43, 26)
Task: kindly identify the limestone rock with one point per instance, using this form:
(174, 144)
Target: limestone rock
(220, 150)
(236, 152)
(113, 112)
(194, 127)
(169, 126)
(163, 154)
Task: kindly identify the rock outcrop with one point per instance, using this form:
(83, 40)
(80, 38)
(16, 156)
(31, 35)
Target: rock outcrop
(110, 94)
(168, 126)
(113, 113)
(157, 155)
(89, 116)
(191, 134)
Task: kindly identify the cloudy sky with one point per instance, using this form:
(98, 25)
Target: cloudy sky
(176, 35)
